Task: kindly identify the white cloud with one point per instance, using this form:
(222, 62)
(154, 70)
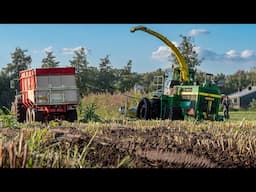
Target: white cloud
(247, 53)
(70, 51)
(241, 59)
(161, 54)
(232, 54)
(195, 32)
(47, 49)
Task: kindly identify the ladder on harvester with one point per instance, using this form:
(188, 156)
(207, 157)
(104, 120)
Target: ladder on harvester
(158, 84)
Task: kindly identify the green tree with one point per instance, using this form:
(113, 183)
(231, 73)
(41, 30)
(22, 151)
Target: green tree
(125, 79)
(79, 60)
(252, 105)
(49, 60)
(237, 81)
(106, 76)
(147, 79)
(20, 61)
(187, 49)
(6, 94)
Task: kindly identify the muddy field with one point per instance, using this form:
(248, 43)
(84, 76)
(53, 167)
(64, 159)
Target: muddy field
(130, 145)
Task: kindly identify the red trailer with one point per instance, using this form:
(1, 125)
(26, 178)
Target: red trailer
(47, 94)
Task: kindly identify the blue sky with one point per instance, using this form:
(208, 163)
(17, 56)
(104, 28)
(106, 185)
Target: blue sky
(225, 48)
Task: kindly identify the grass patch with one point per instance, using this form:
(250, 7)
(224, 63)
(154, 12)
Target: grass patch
(240, 115)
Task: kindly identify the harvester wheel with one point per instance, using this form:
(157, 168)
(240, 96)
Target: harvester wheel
(176, 113)
(143, 111)
(155, 108)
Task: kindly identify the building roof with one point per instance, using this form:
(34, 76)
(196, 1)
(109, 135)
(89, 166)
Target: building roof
(243, 92)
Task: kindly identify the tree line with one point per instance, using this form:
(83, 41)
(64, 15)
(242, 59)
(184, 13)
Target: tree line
(106, 78)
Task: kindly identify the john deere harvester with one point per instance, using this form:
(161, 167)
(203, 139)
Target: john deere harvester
(179, 96)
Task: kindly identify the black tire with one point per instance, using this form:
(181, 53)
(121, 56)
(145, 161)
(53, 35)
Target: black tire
(176, 113)
(18, 109)
(155, 108)
(39, 116)
(144, 109)
(36, 116)
(71, 115)
(21, 113)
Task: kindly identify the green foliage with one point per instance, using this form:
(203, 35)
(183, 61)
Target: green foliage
(147, 80)
(79, 61)
(20, 61)
(106, 76)
(49, 60)
(6, 94)
(125, 79)
(187, 49)
(252, 105)
(88, 114)
(35, 140)
(7, 119)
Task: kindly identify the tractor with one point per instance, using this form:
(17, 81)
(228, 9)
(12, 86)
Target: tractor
(179, 96)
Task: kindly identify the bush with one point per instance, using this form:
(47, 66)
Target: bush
(252, 105)
(7, 120)
(89, 114)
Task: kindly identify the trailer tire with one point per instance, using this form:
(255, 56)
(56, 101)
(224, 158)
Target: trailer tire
(71, 115)
(39, 116)
(21, 112)
(32, 115)
(18, 109)
(144, 109)
(28, 115)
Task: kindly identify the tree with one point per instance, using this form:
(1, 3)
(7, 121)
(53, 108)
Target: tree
(125, 79)
(106, 76)
(187, 49)
(6, 94)
(48, 61)
(252, 105)
(147, 80)
(20, 61)
(79, 61)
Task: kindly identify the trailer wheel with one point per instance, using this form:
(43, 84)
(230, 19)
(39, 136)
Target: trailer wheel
(28, 115)
(19, 112)
(143, 111)
(33, 115)
(71, 115)
(39, 116)
(18, 109)
(176, 113)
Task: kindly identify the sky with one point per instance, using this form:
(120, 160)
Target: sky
(226, 48)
